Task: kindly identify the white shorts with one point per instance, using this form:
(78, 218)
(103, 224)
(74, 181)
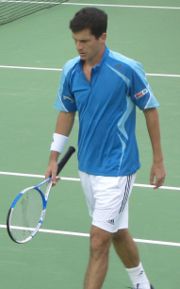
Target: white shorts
(107, 200)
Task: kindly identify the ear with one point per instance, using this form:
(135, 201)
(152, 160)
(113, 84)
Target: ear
(103, 37)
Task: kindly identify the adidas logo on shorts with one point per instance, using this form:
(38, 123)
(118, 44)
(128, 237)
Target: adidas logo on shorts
(111, 221)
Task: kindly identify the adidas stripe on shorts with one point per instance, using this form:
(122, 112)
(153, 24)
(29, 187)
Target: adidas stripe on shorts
(107, 200)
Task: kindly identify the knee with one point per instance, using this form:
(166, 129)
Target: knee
(120, 236)
(99, 242)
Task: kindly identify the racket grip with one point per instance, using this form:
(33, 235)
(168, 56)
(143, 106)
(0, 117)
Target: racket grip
(65, 158)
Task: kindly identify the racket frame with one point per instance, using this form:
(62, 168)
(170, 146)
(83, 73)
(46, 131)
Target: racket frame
(44, 197)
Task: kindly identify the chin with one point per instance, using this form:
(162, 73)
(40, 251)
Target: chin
(83, 57)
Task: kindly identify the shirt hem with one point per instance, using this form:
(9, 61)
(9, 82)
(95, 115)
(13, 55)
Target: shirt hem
(106, 174)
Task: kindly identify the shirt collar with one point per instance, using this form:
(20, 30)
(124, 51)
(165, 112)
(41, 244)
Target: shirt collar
(104, 56)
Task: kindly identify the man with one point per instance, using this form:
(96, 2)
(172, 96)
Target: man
(105, 87)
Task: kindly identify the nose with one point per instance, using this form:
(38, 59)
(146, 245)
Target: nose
(79, 45)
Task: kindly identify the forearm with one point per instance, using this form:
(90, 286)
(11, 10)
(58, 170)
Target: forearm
(152, 122)
(158, 173)
(65, 123)
(64, 126)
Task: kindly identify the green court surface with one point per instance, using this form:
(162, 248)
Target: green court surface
(33, 50)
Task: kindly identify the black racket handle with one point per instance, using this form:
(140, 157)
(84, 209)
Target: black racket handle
(65, 158)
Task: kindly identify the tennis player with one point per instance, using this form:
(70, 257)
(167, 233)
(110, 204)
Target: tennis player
(105, 88)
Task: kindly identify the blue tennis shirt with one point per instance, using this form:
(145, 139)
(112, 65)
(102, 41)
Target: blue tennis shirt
(106, 107)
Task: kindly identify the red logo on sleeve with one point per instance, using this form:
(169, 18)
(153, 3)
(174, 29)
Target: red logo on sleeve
(141, 93)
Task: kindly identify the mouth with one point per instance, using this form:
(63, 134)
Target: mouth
(82, 54)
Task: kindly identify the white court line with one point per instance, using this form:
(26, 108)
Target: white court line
(78, 180)
(163, 75)
(124, 6)
(60, 69)
(95, 4)
(79, 234)
(30, 68)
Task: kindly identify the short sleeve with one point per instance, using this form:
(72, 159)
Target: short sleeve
(65, 100)
(140, 90)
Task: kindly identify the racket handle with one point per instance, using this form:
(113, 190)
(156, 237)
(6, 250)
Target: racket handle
(65, 158)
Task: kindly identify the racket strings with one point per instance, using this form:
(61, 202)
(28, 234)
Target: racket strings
(26, 215)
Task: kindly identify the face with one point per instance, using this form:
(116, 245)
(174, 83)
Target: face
(88, 46)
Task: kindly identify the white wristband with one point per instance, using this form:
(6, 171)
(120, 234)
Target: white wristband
(59, 141)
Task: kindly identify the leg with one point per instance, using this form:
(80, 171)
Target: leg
(126, 248)
(100, 241)
(107, 199)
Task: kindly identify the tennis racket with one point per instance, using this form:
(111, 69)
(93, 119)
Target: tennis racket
(28, 209)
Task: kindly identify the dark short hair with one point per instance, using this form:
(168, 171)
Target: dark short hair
(90, 18)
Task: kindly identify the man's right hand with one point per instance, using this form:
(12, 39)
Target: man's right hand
(52, 171)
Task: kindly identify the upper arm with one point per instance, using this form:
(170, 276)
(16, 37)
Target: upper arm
(140, 91)
(65, 100)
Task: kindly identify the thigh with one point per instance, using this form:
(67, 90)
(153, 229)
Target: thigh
(111, 196)
(107, 200)
(86, 184)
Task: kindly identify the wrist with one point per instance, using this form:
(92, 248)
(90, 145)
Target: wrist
(158, 161)
(58, 144)
(54, 156)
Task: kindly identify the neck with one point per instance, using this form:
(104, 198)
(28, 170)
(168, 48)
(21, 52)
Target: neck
(96, 59)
